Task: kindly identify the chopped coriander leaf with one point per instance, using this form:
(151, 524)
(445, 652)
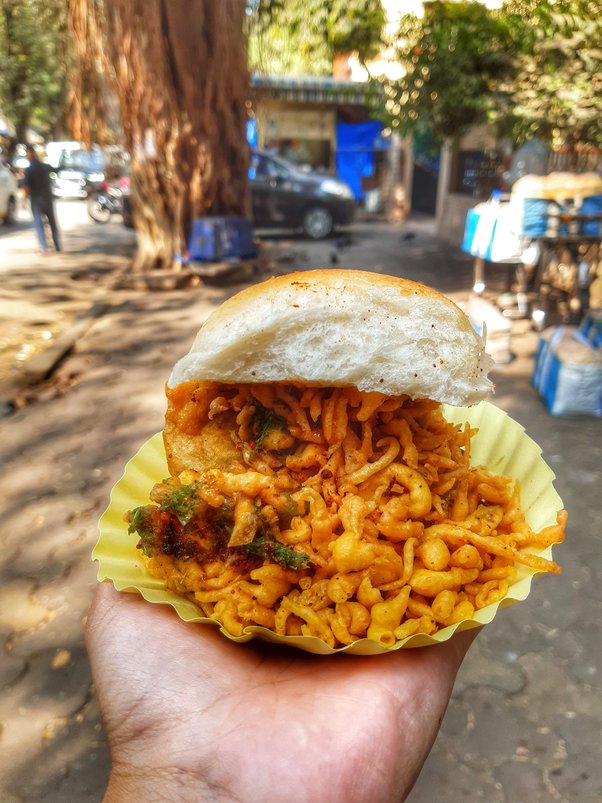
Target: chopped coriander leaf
(140, 520)
(291, 506)
(182, 502)
(263, 547)
(223, 517)
(263, 422)
(287, 556)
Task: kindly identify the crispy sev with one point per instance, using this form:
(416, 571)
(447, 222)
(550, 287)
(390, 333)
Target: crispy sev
(330, 512)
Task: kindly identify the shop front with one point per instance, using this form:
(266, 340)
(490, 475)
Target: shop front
(324, 125)
(304, 136)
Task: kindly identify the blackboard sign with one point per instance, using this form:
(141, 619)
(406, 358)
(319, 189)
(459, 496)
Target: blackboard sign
(477, 173)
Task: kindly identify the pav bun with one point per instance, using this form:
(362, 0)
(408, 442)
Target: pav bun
(342, 328)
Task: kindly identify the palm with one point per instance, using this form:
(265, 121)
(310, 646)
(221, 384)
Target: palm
(284, 724)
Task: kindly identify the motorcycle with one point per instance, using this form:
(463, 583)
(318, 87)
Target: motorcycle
(106, 202)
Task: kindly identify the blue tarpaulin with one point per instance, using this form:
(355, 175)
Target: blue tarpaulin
(356, 144)
(252, 132)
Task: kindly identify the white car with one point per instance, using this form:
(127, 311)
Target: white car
(8, 194)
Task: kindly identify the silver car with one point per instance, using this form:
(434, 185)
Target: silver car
(8, 194)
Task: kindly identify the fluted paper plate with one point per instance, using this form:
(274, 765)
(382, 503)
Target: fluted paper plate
(501, 444)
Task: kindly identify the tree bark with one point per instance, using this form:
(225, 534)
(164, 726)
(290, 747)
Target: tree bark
(181, 76)
(17, 81)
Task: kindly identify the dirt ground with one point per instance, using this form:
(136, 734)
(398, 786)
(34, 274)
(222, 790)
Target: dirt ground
(526, 715)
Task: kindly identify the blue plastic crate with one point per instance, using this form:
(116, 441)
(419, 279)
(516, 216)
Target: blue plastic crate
(592, 205)
(214, 239)
(536, 213)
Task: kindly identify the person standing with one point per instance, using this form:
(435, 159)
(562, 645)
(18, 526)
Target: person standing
(37, 186)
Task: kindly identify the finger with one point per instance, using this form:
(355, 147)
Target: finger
(121, 625)
(443, 661)
(107, 603)
(118, 620)
(459, 644)
(126, 612)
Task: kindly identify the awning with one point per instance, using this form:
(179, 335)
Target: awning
(311, 89)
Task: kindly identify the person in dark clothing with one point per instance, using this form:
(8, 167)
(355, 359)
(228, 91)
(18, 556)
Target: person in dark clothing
(37, 186)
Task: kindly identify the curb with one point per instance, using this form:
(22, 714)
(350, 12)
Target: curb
(43, 364)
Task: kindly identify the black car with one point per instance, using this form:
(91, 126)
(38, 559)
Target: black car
(285, 196)
(79, 173)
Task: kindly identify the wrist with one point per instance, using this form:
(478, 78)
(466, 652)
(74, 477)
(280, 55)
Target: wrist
(158, 784)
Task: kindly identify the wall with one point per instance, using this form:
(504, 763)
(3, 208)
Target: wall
(284, 121)
(452, 207)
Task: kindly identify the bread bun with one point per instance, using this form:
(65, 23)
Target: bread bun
(342, 328)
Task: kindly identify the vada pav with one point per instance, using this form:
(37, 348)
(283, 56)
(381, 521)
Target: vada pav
(316, 488)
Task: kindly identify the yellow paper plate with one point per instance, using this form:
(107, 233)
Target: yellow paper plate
(500, 444)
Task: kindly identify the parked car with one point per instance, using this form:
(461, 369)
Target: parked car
(8, 194)
(19, 163)
(54, 151)
(78, 172)
(285, 196)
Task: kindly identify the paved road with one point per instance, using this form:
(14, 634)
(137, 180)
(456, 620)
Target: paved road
(40, 294)
(525, 719)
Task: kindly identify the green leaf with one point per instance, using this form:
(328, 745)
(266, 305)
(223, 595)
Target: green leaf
(263, 422)
(182, 502)
(264, 547)
(140, 522)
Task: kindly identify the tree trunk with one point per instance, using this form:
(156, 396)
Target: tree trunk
(16, 82)
(21, 126)
(181, 76)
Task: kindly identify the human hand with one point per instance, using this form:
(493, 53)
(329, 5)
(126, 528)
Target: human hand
(193, 716)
